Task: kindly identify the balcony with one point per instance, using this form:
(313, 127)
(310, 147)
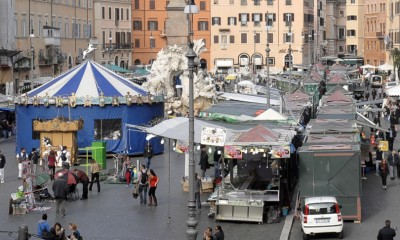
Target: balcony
(47, 61)
(117, 46)
(51, 41)
(51, 36)
(163, 33)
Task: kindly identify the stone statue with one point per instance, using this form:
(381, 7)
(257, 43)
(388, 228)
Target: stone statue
(172, 62)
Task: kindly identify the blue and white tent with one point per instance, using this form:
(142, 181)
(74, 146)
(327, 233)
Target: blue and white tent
(88, 79)
(105, 101)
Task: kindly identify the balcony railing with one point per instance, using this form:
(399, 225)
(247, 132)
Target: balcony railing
(52, 41)
(43, 61)
(116, 46)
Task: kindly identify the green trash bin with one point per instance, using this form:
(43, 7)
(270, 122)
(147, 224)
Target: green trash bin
(99, 153)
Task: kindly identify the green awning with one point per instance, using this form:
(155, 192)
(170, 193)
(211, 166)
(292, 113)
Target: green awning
(115, 68)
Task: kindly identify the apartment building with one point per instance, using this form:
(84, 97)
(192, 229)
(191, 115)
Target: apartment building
(320, 31)
(374, 31)
(392, 37)
(239, 33)
(113, 32)
(56, 32)
(335, 25)
(355, 27)
(161, 23)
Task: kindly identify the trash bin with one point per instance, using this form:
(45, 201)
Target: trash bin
(99, 153)
(285, 211)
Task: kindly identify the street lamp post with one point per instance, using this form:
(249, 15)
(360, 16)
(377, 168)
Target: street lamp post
(309, 49)
(191, 221)
(289, 19)
(109, 51)
(31, 37)
(151, 47)
(268, 50)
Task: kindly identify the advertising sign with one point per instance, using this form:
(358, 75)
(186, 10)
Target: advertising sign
(233, 152)
(181, 147)
(384, 145)
(280, 152)
(213, 136)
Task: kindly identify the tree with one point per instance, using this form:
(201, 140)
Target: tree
(395, 54)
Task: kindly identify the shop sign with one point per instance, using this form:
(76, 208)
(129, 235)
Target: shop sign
(384, 145)
(233, 152)
(280, 152)
(213, 136)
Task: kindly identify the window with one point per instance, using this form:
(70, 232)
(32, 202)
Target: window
(116, 14)
(103, 13)
(216, 21)
(243, 2)
(109, 13)
(256, 2)
(288, 2)
(107, 129)
(351, 33)
(244, 18)
(321, 208)
(341, 13)
(152, 42)
(152, 4)
(270, 18)
(270, 2)
(288, 37)
(122, 14)
(270, 38)
(137, 5)
(137, 25)
(231, 21)
(66, 30)
(271, 61)
(224, 40)
(216, 39)
(137, 43)
(257, 19)
(231, 1)
(203, 25)
(16, 27)
(256, 37)
(341, 34)
(152, 25)
(39, 27)
(352, 1)
(231, 39)
(288, 18)
(243, 37)
(103, 39)
(127, 14)
(202, 6)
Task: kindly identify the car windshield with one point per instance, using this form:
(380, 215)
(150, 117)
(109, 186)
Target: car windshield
(376, 79)
(321, 208)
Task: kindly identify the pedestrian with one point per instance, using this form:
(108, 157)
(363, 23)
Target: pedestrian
(5, 126)
(153, 179)
(2, 165)
(43, 227)
(52, 161)
(60, 232)
(84, 179)
(197, 191)
(379, 155)
(128, 170)
(383, 170)
(74, 231)
(393, 161)
(204, 165)
(390, 136)
(34, 158)
(95, 170)
(379, 93)
(366, 96)
(219, 234)
(207, 235)
(143, 184)
(65, 157)
(373, 93)
(60, 189)
(148, 153)
(21, 158)
(386, 233)
(217, 160)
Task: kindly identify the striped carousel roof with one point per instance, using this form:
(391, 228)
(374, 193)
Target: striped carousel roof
(88, 79)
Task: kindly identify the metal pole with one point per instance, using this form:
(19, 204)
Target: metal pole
(290, 53)
(31, 36)
(191, 222)
(267, 50)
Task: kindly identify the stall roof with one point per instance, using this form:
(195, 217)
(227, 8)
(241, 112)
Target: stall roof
(329, 126)
(330, 148)
(337, 96)
(271, 115)
(331, 139)
(337, 112)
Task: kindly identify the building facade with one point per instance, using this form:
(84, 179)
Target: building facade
(113, 32)
(392, 38)
(239, 33)
(335, 26)
(158, 24)
(374, 32)
(355, 27)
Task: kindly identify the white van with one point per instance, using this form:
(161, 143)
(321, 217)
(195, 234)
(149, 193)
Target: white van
(376, 81)
(321, 215)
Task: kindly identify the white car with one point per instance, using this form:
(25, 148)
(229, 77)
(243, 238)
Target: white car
(321, 215)
(390, 84)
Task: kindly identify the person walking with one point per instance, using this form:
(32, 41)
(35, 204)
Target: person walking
(197, 191)
(383, 170)
(393, 161)
(148, 153)
(43, 227)
(207, 235)
(386, 233)
(219, 234)
(204, 165)
(128, 170)
(153, 179)
(34, 158)
(60, 189)
(84, 179)
(379, 155)
(390, 136)
(21, 158)
(373, 93)
(95, 170)
(217, 160)
(2, 165)
(143, 184)
(52, 161)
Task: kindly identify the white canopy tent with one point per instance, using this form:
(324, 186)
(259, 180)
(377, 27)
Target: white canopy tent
(393, 91)
(385, 67)
(367, 66)
(271, 115)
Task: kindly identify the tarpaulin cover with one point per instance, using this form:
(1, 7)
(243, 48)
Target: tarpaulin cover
(135, 114)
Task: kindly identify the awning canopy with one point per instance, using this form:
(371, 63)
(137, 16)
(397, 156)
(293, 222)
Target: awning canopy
(271, 115)
(224, 63)
(393, 91)
(116, 68)
(385, 67)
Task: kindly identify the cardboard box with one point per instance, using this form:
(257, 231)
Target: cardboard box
(207, 186)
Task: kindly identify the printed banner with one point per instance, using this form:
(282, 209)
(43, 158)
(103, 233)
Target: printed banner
(213, 136)
(280, 152)
(233, 152)
(181, 147)
(384, 145)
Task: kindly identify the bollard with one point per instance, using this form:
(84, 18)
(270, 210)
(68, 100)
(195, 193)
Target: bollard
(23, 232)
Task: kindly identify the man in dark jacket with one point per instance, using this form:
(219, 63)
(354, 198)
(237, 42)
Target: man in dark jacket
(148, 153)
(34, 158)
(204, 165)
(386, 233)
(84, 179)
(60, 189)
(2, 164)
(391, 136)
(393, 161)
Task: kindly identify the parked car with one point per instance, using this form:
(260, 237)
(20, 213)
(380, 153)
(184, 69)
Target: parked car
(376, 81)
(321, 215)
(390, 84)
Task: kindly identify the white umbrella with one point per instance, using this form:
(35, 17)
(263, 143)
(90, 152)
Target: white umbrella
(385, 67)
(367, 66)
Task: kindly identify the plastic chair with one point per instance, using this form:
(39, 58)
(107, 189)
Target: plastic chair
(39, 206)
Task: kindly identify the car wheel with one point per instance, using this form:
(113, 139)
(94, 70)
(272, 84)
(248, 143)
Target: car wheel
(305, 236)
(340, 235)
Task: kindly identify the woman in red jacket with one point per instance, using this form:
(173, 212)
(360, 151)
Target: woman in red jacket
(153, 179)
(52, 163)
